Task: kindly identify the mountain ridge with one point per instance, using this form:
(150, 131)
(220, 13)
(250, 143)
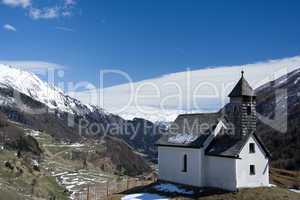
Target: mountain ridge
(53, 97)
(64, 117)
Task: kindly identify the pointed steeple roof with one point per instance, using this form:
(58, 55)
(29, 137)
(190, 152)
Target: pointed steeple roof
(242, 88)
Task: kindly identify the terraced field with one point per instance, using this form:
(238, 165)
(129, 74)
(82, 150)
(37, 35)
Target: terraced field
(63, 170)
(66, 162)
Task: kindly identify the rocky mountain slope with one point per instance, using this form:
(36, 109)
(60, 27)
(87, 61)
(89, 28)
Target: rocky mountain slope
(28, 100)
(29, 84)
(14, 136)
(278, 104)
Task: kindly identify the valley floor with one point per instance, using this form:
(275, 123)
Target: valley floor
(64, 171)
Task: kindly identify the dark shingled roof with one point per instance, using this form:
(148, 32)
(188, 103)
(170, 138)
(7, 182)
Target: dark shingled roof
(242, 88)
(198, 143)
(229, 146)
(200, 125)
(195, 123)
(224, 144)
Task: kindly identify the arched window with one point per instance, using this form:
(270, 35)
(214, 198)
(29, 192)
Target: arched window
(184, 164)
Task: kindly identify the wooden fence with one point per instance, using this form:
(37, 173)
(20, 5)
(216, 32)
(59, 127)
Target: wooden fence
(101, 191)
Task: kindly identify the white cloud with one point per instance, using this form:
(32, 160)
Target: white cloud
(63, 9)
(62, 28)
(31, 64)
(162, 98)
(17, 3)
(9, 27)
(44, 13)
(70, 2)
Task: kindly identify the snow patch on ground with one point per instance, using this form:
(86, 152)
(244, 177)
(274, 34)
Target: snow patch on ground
(76, 145)
(182, 138)
(143, 196)
(35, 163)
(294, 190)
(33, 133)
(272, 185)
(75, 181)
(60, 174)
(171, 188)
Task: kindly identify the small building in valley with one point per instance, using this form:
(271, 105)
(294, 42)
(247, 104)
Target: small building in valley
(220, 150)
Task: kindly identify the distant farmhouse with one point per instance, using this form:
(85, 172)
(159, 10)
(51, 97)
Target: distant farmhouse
(220, 149)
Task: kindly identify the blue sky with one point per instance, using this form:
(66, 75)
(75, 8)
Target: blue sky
(147, 38)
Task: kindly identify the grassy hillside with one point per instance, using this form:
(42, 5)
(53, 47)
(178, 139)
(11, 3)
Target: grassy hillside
(18, 177)
(21, 181)
(285, 178)
(122, 157)
(257, 194)
(32, 161)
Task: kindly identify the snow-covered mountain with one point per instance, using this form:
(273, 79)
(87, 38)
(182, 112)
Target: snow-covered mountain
(29, 84)
(23, 93)
(156, 115)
